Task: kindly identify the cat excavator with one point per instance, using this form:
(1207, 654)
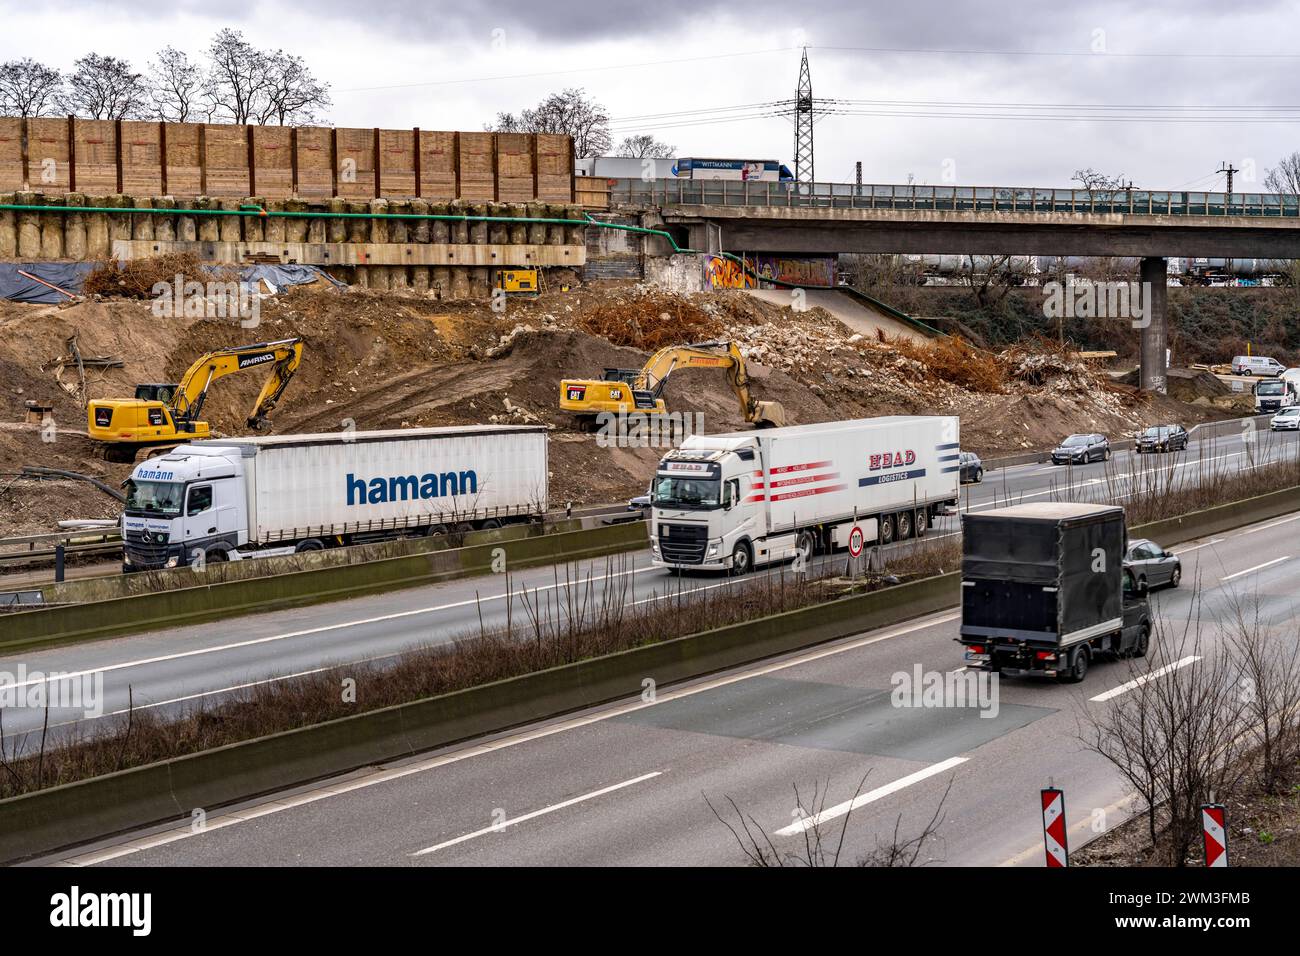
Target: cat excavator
(165, 415)
(640, 390)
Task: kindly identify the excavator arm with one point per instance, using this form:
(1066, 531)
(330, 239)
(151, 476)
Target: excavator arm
(283, 356)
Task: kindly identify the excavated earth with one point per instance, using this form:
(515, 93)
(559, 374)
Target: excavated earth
(387, 360)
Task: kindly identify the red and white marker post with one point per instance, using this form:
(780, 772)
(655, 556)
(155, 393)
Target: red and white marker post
(1054, 840)
(1214, 824)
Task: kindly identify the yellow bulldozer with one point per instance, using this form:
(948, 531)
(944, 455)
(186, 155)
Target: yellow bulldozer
(163, 415)
(622, 390)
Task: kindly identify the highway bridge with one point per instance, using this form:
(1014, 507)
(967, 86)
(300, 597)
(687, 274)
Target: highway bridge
(834, 218)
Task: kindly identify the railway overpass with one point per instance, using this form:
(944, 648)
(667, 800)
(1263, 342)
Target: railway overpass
(832, 218)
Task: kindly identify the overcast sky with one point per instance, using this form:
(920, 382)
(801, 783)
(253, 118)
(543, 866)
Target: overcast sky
(454, 65)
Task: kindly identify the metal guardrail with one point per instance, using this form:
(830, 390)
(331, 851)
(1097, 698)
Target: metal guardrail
(43, 547)
(990, 199)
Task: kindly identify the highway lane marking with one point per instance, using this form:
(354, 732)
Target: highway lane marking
(509, 822)
(871, 796)
(1145, 678)
(1258, 567)
(1182, 551)
(161, 659)
(1271, 525)
(377, 777)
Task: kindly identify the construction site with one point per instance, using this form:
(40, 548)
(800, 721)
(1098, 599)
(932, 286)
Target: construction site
(394, 359)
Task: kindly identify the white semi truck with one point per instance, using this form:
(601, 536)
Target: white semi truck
(228, 499)
(745, 499)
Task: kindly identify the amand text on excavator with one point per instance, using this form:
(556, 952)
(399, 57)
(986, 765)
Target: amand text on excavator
(161, 415)
(622, 391)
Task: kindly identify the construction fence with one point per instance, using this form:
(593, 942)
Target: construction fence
(107, 157)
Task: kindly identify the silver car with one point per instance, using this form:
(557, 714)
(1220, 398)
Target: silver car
(1151, 565)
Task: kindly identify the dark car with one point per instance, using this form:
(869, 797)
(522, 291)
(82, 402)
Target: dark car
(1080, 449)
(1151, 565)
(1161, 438)
(972, 469)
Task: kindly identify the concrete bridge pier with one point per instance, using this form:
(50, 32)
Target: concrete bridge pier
(1155, 288)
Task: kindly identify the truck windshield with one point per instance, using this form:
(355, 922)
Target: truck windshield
(154, 497)
(687, 492)
(1268, 388)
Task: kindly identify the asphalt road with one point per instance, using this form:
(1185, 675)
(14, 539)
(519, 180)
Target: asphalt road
(628, 783)
(175, 669)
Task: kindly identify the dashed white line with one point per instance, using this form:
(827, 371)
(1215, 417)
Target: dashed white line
(498, 827)
(1258, 567)
(1138, 682)
(871, 796)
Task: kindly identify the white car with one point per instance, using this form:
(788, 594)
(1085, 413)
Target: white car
(1287, 418)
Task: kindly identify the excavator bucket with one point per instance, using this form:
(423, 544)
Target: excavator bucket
(769, 415)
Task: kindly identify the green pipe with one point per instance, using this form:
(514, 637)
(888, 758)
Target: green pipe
(252, 210)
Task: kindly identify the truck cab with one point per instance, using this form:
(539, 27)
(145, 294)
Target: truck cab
(696, 518)
(182, 507)
(1274, 394)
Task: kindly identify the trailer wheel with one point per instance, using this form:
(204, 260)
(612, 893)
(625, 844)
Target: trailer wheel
(904, 520)
(435, 530)
(1078, 668)
(491, 524)
(921, 522)
(807, 544)
(309, 544)
(885, 533)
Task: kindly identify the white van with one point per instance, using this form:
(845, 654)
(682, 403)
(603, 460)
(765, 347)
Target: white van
(1256, 365)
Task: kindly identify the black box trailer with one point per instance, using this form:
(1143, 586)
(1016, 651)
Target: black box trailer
(1044, 589)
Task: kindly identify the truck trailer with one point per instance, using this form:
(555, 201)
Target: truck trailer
(1045, 590)
(744, 499)
(229, 499)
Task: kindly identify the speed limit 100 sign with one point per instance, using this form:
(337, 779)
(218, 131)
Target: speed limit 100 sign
(856, 539)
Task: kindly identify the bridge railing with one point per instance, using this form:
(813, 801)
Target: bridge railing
(991, 199)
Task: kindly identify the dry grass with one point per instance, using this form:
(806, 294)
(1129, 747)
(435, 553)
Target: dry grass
(650, 323)
(952, 359)
(136, 278)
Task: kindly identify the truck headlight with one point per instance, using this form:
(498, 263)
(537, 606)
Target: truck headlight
(713, 550)
(173, 561)
(126, 558)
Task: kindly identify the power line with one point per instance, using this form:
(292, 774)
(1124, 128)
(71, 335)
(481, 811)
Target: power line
(1182, 54)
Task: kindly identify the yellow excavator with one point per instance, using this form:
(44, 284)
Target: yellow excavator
(624, 390)
(164, 414)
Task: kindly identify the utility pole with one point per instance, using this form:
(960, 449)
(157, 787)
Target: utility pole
(803, 124)
(857, 178)
(1229, 169)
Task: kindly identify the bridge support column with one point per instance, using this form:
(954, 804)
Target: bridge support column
(1155, 287)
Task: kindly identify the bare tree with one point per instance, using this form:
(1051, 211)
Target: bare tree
(175, 86)
(105, 87)
(570, 112)
(644, 146)
(1270, 684)
(293, 94)
(238, 79)
(1095, 182)
(1285, 176)
(992, 277)
(29, 88)
(1176, 737)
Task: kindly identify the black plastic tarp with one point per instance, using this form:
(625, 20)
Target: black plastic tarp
(22, 288)
(70, 276)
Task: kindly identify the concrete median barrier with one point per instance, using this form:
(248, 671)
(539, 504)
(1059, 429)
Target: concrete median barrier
(28, 630)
